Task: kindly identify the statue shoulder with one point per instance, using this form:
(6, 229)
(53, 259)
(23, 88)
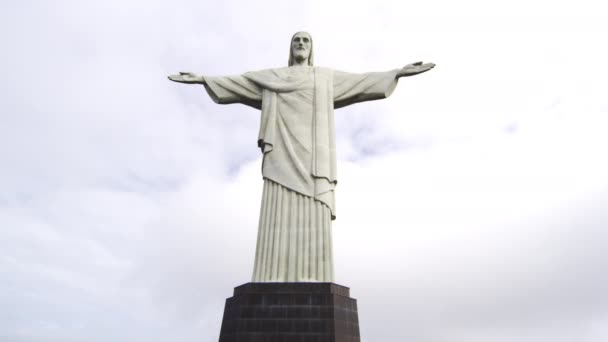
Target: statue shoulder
(323, 69)
(267, 74)
(325, 73)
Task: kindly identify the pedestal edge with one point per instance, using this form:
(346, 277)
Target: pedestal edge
(274, 288)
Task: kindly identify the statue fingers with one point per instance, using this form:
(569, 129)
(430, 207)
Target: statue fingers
(187, 74)
(428, 66)
(178, 78)
(412, 65)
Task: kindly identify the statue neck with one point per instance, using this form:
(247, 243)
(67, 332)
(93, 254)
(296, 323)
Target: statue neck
(300, 62)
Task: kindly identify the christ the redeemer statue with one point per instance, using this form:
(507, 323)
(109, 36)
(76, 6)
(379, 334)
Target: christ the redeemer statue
(297, 138)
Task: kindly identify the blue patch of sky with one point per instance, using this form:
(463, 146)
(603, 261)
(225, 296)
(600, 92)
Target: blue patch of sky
(511, 128)
(234, 166)
(16, 199)
(369, 145)
(134, 182)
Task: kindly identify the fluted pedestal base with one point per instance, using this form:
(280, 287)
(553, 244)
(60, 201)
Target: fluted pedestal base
(290, 312)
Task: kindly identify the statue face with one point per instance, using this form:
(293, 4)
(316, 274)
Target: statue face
(301, 45)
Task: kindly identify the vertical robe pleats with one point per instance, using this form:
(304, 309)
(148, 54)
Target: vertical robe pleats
(261, 233)
(294, 238)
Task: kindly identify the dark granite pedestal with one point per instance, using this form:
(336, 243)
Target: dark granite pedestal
(290, 312)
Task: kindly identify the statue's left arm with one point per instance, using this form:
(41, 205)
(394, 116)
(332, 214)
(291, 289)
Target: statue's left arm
(353, 88)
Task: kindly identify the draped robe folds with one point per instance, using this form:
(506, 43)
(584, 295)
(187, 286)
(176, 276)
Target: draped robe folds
(297, 137)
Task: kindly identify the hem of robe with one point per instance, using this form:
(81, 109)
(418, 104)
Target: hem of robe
(294, 238)
(327, 198)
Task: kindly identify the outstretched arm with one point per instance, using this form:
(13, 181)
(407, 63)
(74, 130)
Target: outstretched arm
(353, 88)
(226, 89)
(350, 88)
(415, 69)
(188, 78)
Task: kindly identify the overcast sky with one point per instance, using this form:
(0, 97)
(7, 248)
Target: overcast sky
(472, 203)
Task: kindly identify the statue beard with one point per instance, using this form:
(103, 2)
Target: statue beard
(300, 56)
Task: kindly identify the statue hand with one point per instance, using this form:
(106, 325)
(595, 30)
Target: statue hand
(188, 78)
(415, 69)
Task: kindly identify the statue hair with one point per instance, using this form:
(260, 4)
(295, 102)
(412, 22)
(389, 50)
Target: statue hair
(310, 57)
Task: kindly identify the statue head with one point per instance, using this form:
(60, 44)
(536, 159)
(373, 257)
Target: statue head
(300, 48)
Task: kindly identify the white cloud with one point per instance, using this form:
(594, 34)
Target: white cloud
(471, 204)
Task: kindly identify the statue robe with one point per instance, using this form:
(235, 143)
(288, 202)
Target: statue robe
(297, 137)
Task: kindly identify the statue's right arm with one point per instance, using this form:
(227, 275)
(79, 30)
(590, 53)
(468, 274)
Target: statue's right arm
(225, 89)
(188, 78)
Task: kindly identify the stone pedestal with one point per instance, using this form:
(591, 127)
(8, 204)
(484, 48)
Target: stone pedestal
(290, 312)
